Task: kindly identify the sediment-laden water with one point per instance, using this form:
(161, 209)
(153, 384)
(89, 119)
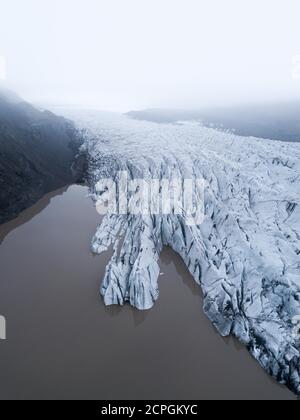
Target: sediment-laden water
(63, 343)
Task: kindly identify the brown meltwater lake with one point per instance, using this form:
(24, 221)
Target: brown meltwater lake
(63, 343)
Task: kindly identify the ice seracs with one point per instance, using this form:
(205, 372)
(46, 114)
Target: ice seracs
(246, 253)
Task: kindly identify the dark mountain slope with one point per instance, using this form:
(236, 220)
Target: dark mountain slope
(37, 152)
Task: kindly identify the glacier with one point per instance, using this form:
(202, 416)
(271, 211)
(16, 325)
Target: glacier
(245, 256)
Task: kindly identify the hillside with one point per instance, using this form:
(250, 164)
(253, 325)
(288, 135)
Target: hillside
(37, 151)
(275, 121)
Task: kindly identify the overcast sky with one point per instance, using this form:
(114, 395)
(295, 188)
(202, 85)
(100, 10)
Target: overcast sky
(131, 54)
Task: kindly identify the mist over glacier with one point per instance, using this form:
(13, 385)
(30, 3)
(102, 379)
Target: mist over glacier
(124, 55)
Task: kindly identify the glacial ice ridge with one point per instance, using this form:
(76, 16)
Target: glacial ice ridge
(245, 256)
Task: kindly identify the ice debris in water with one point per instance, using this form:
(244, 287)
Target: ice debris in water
(246, 253)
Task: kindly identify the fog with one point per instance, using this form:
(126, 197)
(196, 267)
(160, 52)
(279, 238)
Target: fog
(132, 54)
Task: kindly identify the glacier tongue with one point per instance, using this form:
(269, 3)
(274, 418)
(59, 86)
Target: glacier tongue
(246, 253)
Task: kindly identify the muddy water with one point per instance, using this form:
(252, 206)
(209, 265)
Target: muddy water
(62, 343)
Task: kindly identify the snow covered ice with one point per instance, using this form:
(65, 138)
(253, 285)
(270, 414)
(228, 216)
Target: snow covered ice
(245, 256)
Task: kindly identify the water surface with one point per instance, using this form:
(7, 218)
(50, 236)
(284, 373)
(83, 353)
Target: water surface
(63, 343)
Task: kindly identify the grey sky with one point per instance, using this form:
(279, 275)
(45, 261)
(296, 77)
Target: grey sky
(127, 54)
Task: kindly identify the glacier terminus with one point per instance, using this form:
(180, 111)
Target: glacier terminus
(245, 255)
